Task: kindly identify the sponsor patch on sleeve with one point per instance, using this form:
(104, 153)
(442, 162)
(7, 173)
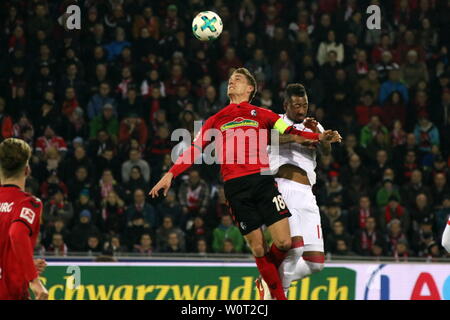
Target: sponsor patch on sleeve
(28, 215)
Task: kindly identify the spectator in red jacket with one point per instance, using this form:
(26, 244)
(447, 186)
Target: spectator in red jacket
(366, 109)
(133, 127)
(50, 139)
(6, 123)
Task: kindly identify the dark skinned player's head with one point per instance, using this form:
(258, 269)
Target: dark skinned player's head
(14, 157)
(296, 102)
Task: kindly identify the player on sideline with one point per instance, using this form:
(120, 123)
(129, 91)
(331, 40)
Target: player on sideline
(20, 215)
(294, 167)
(446, 237)
(253, 197)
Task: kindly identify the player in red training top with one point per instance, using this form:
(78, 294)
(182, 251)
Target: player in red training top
(241, 133)
(20, 215)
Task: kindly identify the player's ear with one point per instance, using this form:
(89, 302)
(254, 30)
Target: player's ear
(27, 170)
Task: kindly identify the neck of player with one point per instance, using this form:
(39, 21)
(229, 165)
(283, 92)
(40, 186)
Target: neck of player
(237, 99)
(15, 181)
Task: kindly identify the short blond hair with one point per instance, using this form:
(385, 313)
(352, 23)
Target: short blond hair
(14, 156)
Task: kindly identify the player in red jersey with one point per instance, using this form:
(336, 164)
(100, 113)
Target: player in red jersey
(253, 197)
(20, 215)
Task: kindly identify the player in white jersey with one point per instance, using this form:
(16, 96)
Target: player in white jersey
(446, 237)
(294, 169)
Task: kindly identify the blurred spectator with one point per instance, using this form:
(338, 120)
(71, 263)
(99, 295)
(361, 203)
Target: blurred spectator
(57, 247)
(367, 238)
(226, 230)
(50, 139)
(94, 245)
(167, 227)
(170, 207)
(194, 196)
(113, 213)
(114, 246)
(330, 45)
(133, 127)
(197, 231)
(395, 237)
(338, 233)
(173, 244)
(394, 211)
(135, 160)
(393, 84)
(82, 231)
(427, 135)
(57, 207)
(99, 102)
(413, 70)
(135, 228)
(342, 248)
(140, 206)
(371, 130)
(105, 121)
(145, 246)
(358, 216)
(6, 122)
(58, 227)
(420, 210)
(385, 193)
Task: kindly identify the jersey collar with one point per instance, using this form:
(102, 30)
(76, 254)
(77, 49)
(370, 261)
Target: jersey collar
(242, 104)
(10, 186)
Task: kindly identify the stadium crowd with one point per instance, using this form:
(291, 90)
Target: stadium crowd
(99, 105)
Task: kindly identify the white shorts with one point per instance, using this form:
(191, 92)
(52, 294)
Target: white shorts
(305, 219)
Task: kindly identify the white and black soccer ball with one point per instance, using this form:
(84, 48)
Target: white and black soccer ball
(207, 26)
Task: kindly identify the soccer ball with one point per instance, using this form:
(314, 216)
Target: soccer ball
(207, 26)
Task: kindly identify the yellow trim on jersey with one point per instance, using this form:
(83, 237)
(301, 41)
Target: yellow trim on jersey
(281, 126)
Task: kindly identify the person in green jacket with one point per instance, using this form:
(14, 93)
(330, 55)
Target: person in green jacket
(226, 230)
(385, 192)
(107, 121)
(369, 131)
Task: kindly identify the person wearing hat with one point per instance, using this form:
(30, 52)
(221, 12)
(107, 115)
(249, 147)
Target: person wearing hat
(82, 230)
(107, 120)
(395, 211)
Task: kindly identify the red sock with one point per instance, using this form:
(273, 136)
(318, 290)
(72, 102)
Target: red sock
(269, 273)
(276, 255)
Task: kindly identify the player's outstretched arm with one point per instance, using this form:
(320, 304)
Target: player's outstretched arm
(164, 184)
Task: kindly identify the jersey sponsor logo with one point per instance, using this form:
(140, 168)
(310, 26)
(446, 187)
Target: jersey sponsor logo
(254, 113)
(239, 122)
(6, 206)
(28, 215)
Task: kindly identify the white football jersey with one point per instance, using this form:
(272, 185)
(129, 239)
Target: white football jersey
(294, 153)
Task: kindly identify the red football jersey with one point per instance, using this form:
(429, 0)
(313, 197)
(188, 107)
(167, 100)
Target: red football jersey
(17, 206)
(244, 132)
